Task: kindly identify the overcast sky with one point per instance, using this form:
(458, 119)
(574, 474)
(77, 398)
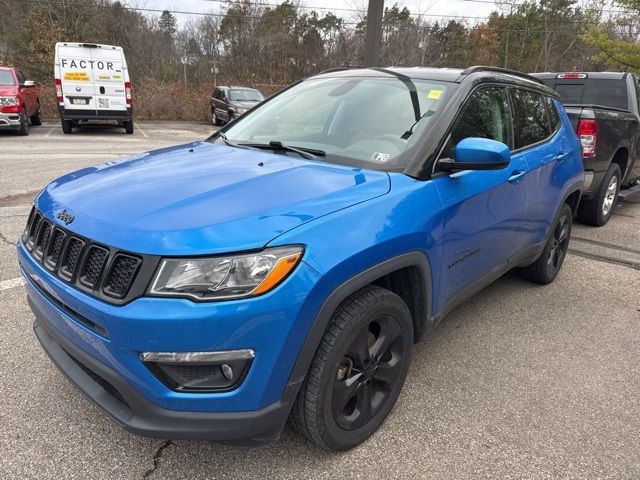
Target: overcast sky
(432, 7)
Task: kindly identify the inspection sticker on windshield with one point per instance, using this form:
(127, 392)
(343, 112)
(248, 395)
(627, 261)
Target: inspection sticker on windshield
(380, 157)
(434, 94)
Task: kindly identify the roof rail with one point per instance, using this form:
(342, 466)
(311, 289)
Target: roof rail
(336, 69)
(481, 68)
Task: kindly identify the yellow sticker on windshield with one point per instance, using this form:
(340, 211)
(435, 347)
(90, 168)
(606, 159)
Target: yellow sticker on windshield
(434, 94)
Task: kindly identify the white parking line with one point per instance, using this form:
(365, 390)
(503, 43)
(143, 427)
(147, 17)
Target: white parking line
(13, 283)
(141, 131)
(46, 135)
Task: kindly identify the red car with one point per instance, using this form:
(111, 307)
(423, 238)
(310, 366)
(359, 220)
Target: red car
(19, 101)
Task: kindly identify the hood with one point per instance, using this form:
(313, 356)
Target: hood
(8, 90)
(202, 198)
(246, 103)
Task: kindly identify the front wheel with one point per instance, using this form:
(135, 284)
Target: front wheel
(357, 372)
(545, 269)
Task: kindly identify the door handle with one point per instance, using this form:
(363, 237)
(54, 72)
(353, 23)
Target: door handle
(561, 156)
(516, 176)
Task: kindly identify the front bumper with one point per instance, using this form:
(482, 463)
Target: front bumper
(117, 398)
(9, 120)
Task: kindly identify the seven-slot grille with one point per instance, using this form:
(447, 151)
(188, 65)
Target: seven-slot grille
(94, 268)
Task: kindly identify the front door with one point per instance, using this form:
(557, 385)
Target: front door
(483, 210)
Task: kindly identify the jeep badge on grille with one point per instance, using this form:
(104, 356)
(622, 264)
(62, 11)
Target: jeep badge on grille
(65, 216)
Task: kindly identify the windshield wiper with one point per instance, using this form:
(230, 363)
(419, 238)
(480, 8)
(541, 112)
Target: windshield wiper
(308, 153)
(226, 141)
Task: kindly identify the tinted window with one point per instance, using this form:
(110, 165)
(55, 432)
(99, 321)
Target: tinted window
(608, 93)
(531, 123)
(486, 115)
(554, 117)
(6, 78)
(21, 78)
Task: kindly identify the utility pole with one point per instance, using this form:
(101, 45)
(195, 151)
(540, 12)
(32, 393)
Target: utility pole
(373, 38)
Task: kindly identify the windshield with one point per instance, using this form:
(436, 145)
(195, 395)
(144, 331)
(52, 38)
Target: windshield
(607, 93)
(245, 96)
(6, 77)
(360, 121)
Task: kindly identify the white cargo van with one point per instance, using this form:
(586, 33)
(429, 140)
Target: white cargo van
(92, 83)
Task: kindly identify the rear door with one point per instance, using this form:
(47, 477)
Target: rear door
(108, 68)
(76, 78)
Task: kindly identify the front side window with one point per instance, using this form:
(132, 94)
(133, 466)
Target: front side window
(531, 123)
(6, 77)
(486, 114)
(359, 121)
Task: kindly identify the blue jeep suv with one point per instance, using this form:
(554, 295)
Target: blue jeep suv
(284, 267)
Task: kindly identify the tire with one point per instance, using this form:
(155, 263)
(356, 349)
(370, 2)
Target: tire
(128, 127)
(370, 330)
(214, 118)
(36, 119)
(67, 126)
(545, 269)
(598, 210)
(24, 123)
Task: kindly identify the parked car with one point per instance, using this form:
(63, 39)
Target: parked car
(286, 265)
(603, 109)
(228, 102)
(92, 83)
(19, 101)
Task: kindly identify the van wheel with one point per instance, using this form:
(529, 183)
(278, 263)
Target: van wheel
(128, 127)
(67, 126)
(24, 123)
(598, 210)
(545, 269)
(357, 372)
(36, 119)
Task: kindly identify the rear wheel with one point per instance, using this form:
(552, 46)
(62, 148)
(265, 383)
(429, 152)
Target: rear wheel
(598, 210)
(67, 126)
(358, 371)
(128, 127)
(545, 269)
(36, 119)
(24, 123)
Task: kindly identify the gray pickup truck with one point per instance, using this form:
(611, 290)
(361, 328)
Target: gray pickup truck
(604, 110)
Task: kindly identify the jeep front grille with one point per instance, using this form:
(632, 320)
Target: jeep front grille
(113, 275)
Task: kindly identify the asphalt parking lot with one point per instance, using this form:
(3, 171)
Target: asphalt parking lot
(523, 381)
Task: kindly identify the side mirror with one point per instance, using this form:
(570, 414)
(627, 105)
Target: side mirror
(475, 153)
(29, 83)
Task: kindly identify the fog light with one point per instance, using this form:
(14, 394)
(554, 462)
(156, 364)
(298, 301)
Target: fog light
(199, 371)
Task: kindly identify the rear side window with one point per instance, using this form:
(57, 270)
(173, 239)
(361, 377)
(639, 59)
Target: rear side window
(531, 123)
(486, 114)
(607, 93)
(554, 117)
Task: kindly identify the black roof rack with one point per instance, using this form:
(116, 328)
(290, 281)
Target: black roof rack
(481, 68)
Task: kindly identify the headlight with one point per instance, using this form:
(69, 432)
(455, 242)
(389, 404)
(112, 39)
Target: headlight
(8, 101)
(225, 277)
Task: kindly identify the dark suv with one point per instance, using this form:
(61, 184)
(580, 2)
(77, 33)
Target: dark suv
(228, 103)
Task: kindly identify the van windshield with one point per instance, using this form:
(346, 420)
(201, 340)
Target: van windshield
(6, 78)
(359, 121)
